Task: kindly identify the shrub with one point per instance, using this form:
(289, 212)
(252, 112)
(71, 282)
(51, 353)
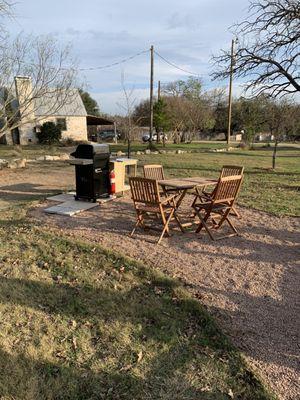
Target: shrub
(50, 133)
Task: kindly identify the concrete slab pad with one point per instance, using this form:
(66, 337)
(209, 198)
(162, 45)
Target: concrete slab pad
(70, 207)
(78, 205)
(62, 197)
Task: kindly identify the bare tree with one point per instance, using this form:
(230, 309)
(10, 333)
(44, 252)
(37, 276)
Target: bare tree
(191, 88)
(49, 75)
(6, 8)
(282, 120)
(268, 49)
(129, 123)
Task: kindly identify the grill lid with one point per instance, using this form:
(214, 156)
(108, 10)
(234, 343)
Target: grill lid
(90, 150)
(100, 148)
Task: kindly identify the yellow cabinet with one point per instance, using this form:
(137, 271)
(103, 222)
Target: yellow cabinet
(122, 168)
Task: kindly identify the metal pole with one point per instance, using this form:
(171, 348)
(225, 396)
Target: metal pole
(230, 94)
(151, 92)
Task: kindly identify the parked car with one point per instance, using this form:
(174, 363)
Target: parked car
(108, 135)
(146, 137)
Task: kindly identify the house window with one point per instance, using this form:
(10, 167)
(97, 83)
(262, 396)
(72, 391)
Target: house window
(62, 123)
(37, 129)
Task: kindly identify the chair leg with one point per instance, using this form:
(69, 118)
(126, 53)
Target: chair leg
(164, 221)
(178, 222)
(225, 217)
(166, 225)
(232, 226)
(139, 221)
(200, 226)
(235, 212)
(197, 194)
(204, 224)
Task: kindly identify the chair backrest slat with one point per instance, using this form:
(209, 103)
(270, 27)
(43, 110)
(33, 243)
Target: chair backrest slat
(231, 170)
(227, 189)
(154, 171)
(144, 190)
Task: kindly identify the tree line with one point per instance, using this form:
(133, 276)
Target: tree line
(186, 112)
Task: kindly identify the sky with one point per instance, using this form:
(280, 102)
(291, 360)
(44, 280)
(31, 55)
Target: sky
(185, 33)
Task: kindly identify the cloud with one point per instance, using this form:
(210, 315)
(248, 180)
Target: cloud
(188, 21)
(185, 33)
(114, 102)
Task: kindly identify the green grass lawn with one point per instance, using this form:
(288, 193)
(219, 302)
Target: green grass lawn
(80, 323)
(30, 151)
(276, 191)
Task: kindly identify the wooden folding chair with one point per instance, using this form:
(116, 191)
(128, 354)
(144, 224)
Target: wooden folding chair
(219, 205)
(149, 205)
(154, 171)
(227, 170)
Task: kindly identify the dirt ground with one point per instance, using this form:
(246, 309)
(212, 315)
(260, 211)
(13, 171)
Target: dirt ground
(38, 180)
(249, 283)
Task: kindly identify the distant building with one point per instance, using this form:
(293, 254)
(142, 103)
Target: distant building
(71, 116)
(264, 137)
(237, 137)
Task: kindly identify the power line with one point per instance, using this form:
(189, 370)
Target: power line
(115, 63)
(174, 65)
(124, 60)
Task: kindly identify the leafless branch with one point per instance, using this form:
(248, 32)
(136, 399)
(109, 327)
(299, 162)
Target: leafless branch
(53, 75)
(268, 51)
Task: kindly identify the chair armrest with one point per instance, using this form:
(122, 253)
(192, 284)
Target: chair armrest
(204, 196)
(168, 199)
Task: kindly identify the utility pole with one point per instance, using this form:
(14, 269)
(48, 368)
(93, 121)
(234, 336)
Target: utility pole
(151, 92)
(158, 98)
(158, 91)
(230, 93)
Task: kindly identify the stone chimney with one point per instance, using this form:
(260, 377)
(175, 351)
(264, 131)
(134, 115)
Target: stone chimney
(24, 94)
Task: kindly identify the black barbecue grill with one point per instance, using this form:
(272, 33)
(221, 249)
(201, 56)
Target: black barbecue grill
(92, 171)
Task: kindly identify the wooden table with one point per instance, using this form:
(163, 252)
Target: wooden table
(182, 185)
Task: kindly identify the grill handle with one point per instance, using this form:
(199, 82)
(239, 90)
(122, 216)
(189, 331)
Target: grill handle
(98, 170)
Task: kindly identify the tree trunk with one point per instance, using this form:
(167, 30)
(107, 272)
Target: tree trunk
(158, 136)
(274, 154)
(176, 139)
(128, 148)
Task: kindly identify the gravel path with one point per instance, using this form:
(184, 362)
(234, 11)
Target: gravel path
(249, 283)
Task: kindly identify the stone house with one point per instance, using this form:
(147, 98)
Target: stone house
(71, 115)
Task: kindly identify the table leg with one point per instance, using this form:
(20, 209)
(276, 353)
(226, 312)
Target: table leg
(181, 197)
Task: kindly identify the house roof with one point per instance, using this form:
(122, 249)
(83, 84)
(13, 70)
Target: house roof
(72, 105)
(95, 120)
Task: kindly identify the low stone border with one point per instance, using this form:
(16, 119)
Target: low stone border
(61, 157)
(179, 151)
(13, 164)
(22, 162)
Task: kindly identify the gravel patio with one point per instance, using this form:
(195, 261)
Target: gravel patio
(249, 283)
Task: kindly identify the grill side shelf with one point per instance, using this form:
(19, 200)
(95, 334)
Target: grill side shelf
(80, 161)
